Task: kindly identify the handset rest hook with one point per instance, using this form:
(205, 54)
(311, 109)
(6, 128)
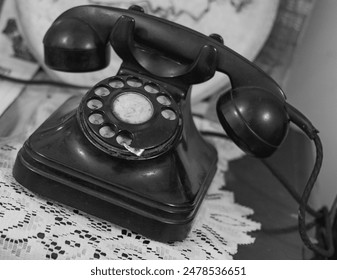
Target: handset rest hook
(201, 69)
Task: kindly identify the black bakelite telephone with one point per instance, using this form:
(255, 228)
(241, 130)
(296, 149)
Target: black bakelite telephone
(128, 151)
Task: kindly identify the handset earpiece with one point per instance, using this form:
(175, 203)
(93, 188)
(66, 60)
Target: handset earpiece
(254, 118)
(72, 46)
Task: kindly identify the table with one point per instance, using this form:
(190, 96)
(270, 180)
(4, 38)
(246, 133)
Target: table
(257, 188)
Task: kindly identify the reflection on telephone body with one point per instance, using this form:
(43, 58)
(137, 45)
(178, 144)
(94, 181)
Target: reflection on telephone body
(128, 151)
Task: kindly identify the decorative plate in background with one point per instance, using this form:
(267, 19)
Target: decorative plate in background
(243, 24)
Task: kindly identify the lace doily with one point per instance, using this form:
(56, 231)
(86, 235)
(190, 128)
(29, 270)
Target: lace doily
(34, 228)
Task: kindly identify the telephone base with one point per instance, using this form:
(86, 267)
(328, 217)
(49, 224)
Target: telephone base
(158, 198)
(68, 193)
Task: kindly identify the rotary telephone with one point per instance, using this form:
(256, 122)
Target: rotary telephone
(129, 151)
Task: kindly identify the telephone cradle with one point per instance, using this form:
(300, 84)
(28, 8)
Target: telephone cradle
(129, 151)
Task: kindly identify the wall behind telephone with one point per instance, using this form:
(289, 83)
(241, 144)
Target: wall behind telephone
(312, 87)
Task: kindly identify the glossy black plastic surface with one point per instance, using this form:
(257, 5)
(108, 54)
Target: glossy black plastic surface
(158, 197)
(138, 39)
(153, 34)
(256, 120)
(158, 192)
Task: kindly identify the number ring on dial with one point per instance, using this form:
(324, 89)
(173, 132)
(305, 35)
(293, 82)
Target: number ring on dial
(138, 110)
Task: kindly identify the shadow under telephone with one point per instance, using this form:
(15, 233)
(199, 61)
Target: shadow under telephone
(128, 151)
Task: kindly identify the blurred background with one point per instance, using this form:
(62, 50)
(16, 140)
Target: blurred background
(310, 86)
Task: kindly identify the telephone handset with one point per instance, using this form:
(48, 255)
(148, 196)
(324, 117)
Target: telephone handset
(128, 151)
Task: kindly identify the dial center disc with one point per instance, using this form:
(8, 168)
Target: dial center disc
(132, 107)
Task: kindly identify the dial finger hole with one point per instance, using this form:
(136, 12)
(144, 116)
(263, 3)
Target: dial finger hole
(107, 131)
(94, 104)
(169, 114)
(96, 119)
(164, 100)
(151, 88)
(116, 83)
(134, 82)
(124, 138)
(102, 91)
